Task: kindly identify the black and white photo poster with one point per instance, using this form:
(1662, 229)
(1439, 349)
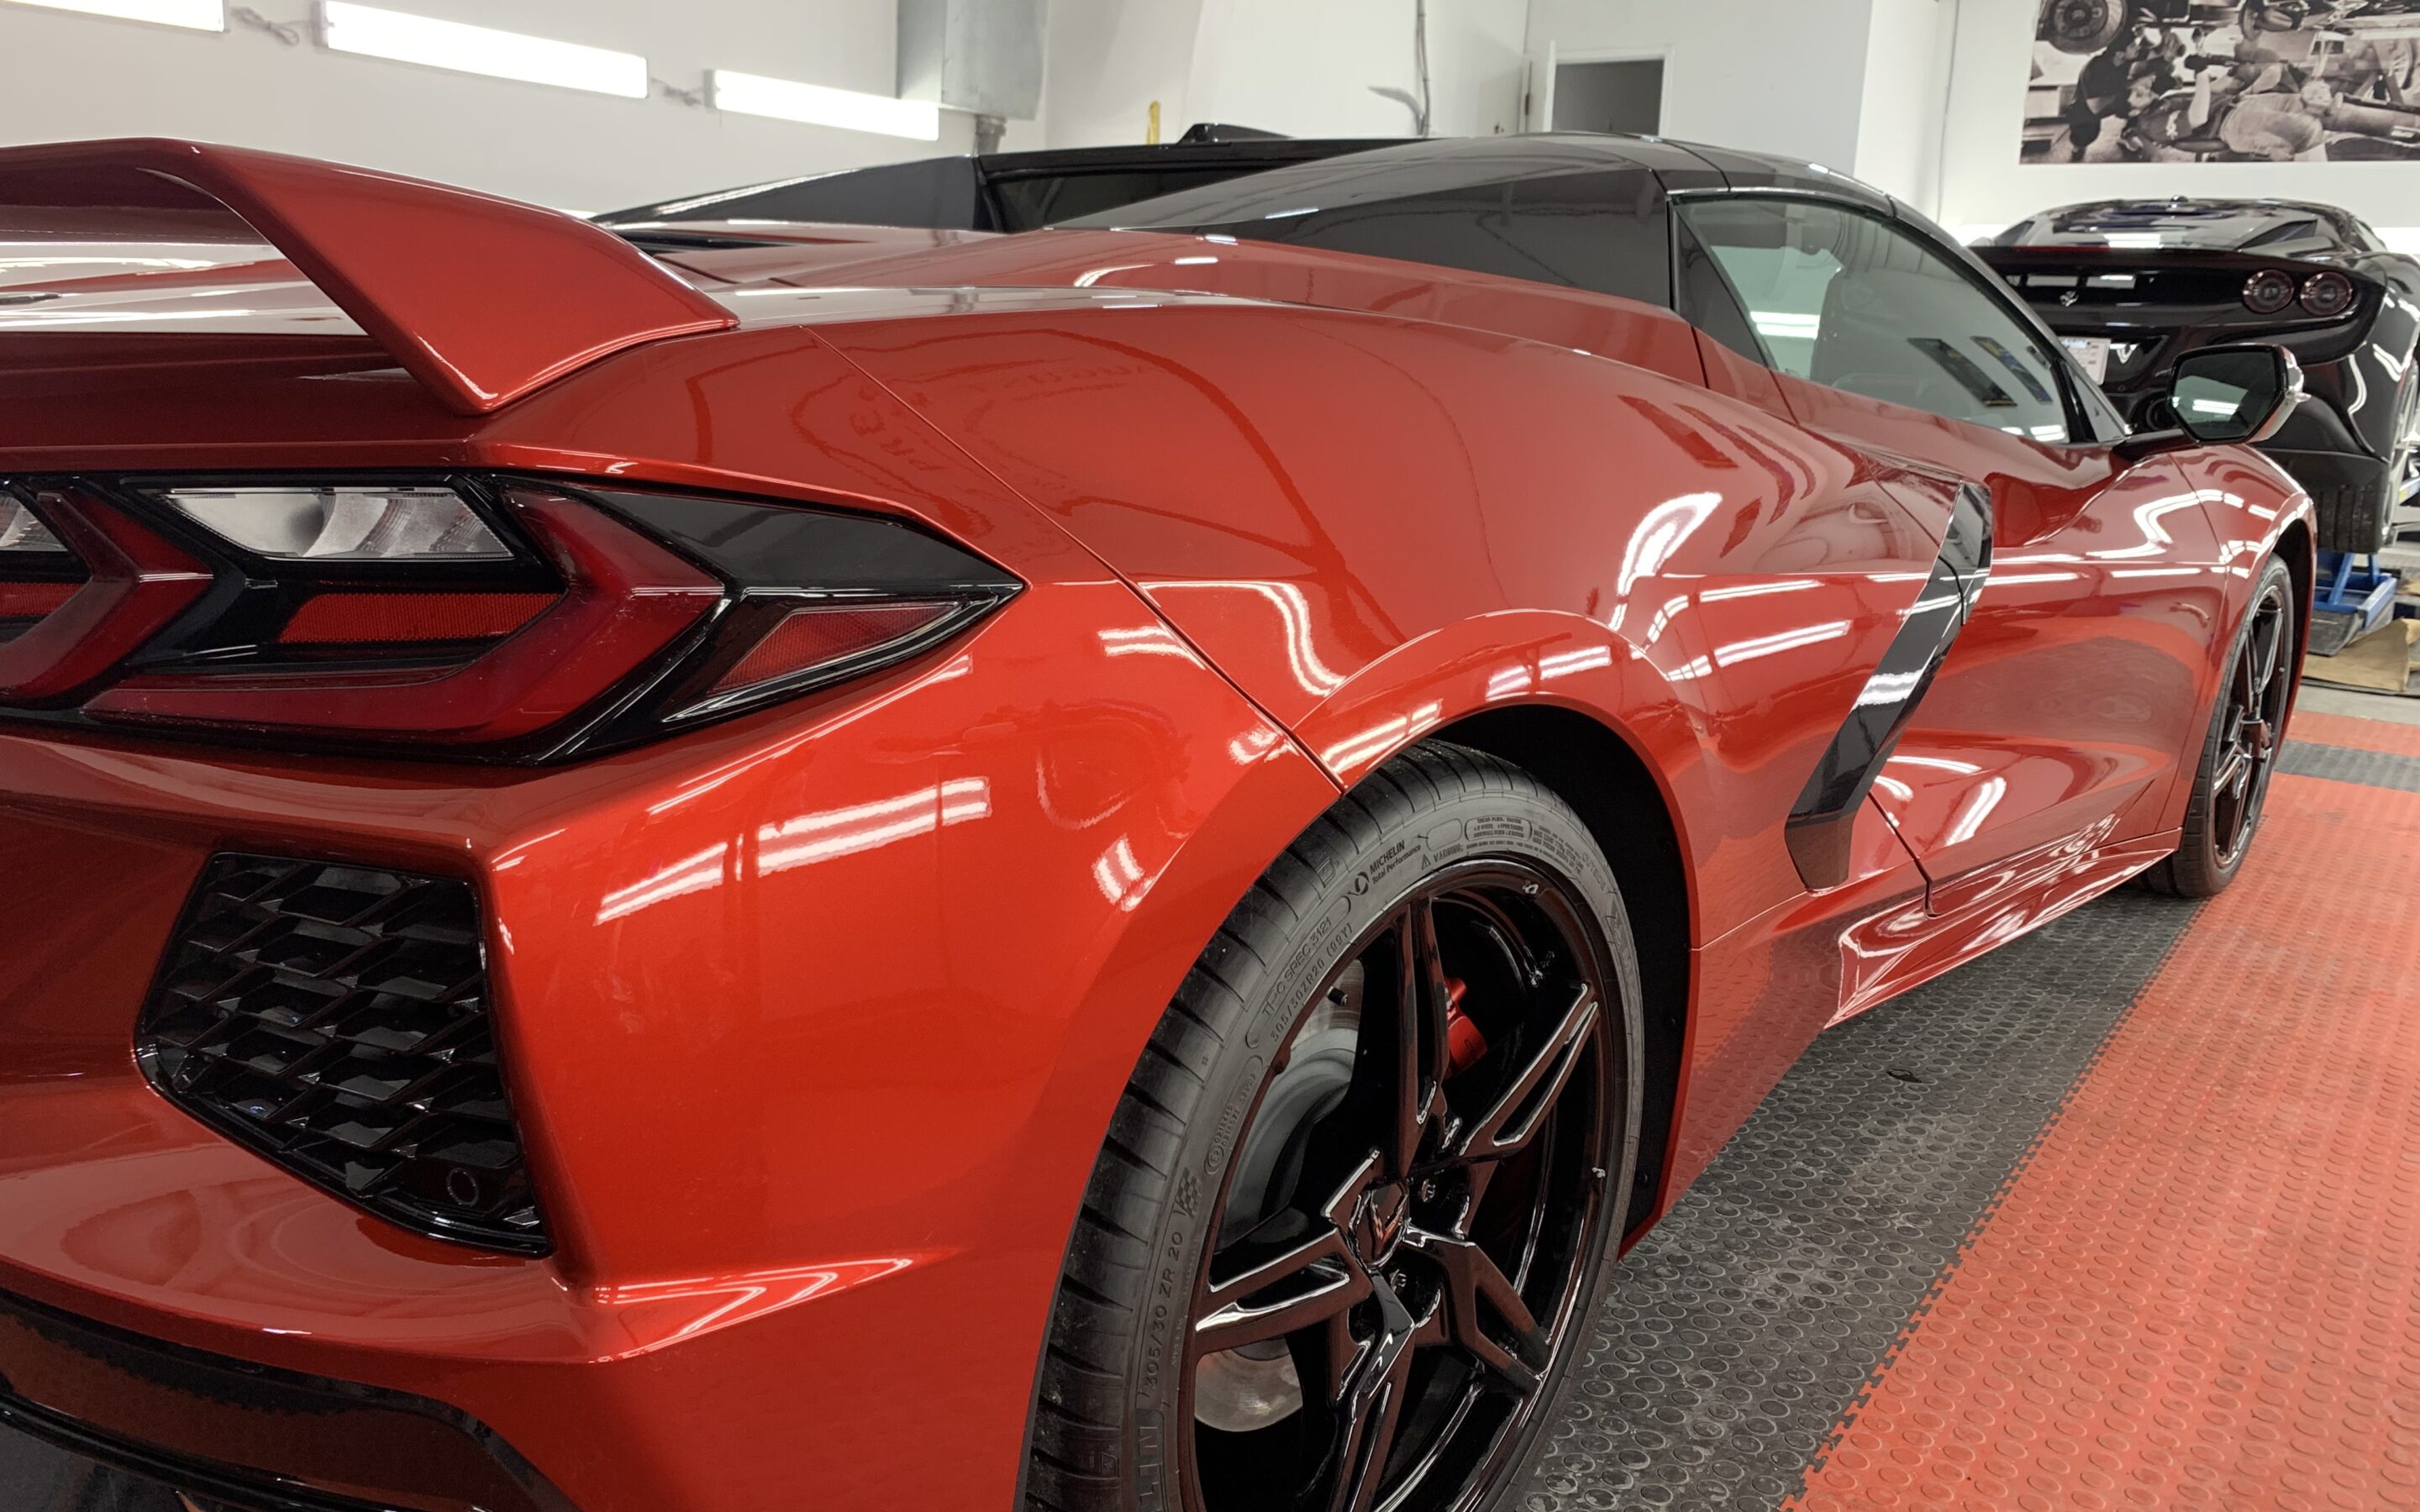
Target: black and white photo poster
(2215, 81)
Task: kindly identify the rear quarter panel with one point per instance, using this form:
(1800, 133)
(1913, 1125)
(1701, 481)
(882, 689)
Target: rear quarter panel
(1376, 526)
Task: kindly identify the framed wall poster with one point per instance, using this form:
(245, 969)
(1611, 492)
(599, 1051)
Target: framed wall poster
(2215, 81)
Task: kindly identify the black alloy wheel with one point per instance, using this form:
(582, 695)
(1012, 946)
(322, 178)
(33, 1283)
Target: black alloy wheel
(2239, 755)
(2253, 723)
(1355, 1209)
(1406, 1225)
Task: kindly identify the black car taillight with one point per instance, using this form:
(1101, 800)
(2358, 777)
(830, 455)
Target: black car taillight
(477, 615)
(2268, 291)
(334, 1019)
(2327, 294)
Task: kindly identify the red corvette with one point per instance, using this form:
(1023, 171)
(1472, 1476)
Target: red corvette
(1096, 869)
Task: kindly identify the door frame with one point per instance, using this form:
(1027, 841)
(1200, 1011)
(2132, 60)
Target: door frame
(1557, 57)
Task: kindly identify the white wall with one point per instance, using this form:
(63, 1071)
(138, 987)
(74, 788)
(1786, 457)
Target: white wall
(1988, 188)
(1307, 71)
(1782, 76)
(1105, 61)
(70, 76)
(1300, 66)
(1905, 97)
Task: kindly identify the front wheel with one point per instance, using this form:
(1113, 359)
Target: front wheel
(2240, 751)
(1353, 1215)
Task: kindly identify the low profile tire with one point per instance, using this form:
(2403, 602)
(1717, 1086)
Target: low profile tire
(1353, 1214)
(2240, 753)
(2359, 517)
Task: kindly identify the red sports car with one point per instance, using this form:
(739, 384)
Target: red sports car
(1094, 868)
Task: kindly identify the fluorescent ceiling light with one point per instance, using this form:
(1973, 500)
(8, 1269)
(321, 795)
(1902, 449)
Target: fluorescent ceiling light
(753, 94)
(1786, 324)
(466, 48)
(200, 15)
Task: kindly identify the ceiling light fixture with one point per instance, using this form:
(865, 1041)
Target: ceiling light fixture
(197, 15)
(375, 32)
(753, 94)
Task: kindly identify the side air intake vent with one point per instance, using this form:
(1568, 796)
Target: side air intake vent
(334, 1019)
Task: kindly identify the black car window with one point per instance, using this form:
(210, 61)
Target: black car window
(2303, 231)
(932, 192)
(1851, 302)
(1028, 202)
(1707, 300)
(1549, 215)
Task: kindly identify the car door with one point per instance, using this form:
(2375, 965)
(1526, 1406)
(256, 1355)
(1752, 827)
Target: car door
(2054, 725)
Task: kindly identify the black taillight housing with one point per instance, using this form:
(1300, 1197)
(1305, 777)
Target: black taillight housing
(335, 1020)
(480, 616)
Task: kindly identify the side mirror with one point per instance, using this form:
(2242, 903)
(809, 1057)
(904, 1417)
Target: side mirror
(2222, 395)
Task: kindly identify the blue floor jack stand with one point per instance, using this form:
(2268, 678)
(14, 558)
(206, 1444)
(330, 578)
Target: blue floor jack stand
(2352, 600)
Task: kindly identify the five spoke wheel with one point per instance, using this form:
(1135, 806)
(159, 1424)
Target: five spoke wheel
(1399, 1261)
(2253, 703)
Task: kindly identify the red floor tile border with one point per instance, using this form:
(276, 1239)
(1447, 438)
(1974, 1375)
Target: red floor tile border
(2355, 733)
(2202, 1288)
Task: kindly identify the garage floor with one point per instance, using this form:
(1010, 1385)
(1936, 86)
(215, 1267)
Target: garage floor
(2126, 1214)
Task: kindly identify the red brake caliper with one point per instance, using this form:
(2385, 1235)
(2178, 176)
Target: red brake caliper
(1464, 1044)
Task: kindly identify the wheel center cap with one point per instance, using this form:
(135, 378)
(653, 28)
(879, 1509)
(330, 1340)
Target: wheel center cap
(1378, 1222)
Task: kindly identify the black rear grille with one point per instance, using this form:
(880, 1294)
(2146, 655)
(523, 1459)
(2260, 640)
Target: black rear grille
(335, 1018)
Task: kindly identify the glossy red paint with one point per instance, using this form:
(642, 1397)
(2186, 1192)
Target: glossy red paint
(550, 294)
(815, 1018)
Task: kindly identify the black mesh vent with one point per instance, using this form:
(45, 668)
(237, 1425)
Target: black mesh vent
(335, 1018)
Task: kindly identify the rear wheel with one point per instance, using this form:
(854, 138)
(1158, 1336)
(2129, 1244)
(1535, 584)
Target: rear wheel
(1352, 1218)
(2357, 516)
(2240, 753)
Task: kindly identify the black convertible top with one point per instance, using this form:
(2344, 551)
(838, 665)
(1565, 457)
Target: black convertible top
(1025, 190)
(999, 190)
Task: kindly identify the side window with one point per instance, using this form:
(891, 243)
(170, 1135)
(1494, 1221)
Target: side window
(1501, 208)
(1707, 301)
(1595, 231)
(1853, 302)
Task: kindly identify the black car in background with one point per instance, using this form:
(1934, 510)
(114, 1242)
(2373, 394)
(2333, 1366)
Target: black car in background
(2132, 284)
(994, 191)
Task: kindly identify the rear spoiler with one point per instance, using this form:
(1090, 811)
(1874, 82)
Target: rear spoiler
(481, 300)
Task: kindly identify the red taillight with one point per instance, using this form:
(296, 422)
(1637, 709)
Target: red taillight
(389, 618)
(137, 584)
(504, 618)
(628, 600)
(806, 639)
(37, 572)
(32, 600)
